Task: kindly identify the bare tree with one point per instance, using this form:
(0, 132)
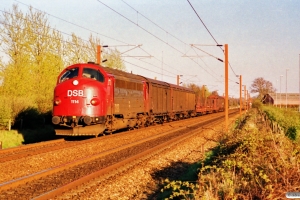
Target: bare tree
(262, 87)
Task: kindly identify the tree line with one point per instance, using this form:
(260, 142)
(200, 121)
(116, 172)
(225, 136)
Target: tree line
(34, 54)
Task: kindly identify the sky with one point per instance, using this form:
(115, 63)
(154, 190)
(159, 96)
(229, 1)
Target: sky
(163, 39)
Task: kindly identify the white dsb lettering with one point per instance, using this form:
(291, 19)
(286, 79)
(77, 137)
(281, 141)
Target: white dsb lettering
(75, 93)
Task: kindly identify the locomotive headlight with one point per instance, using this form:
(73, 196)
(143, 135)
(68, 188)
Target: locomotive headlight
(55, 120)
(95, 101)
(75, 82)
(57, 102)
(87, 120)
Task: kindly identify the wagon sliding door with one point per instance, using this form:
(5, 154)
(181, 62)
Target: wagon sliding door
(159, 99)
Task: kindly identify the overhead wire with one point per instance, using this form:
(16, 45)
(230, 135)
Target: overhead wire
(203, 61)
(157, 67)
(117, 39)
(74, 24)
(56, 30)
(149, 32)
(47, 36)
(146, 68)
(140, 27)
(209, 32)
(154, 23)
(145, 30)
(167, 31)
(122, 16)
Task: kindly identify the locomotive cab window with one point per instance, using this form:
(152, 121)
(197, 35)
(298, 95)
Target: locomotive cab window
(92, 74)
(69, 74)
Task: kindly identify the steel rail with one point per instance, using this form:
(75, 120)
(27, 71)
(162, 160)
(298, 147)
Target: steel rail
(29, 146)
(131, 160)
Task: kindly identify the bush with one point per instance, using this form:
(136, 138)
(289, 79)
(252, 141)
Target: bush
(257, 104)
(10, 107)
(29, 118)
(39, 134)
(19, 104)
(10, 139)
(34, 125)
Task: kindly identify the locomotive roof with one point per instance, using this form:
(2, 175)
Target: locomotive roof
(156, 81)
(124, 74)
(167, 84)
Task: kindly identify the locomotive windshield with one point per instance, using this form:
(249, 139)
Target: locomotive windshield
(71, 73)
(93, 74)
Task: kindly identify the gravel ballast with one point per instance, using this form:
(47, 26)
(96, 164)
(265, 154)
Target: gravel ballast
(144, 180)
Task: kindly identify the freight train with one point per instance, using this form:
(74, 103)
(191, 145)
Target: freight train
(90, 100)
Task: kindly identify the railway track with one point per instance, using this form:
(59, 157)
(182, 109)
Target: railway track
(67, 175)
(48, 146)
(123, 180)
(30, 148)
(31, 164)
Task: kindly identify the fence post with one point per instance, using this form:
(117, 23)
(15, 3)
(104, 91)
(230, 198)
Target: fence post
(9, 124)
(0, 145)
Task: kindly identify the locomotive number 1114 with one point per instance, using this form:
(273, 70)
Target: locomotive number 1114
(74, 101)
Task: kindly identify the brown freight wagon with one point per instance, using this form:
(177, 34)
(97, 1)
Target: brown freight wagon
(168, 101)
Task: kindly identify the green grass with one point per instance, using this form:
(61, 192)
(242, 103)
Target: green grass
(11, 138)
(288, 119)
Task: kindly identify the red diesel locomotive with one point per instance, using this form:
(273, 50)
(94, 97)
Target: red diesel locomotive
(90, 99)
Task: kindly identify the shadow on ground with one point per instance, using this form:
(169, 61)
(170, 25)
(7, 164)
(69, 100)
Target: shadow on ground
(176, 171)
(37, 127)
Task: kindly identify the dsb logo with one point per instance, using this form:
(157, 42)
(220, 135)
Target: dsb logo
(75, 93)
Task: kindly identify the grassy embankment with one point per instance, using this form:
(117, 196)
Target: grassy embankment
(10, 138)
(251, 162)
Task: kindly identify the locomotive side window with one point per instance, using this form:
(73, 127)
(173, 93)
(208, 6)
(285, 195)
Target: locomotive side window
(93, 74)
(71, 73)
